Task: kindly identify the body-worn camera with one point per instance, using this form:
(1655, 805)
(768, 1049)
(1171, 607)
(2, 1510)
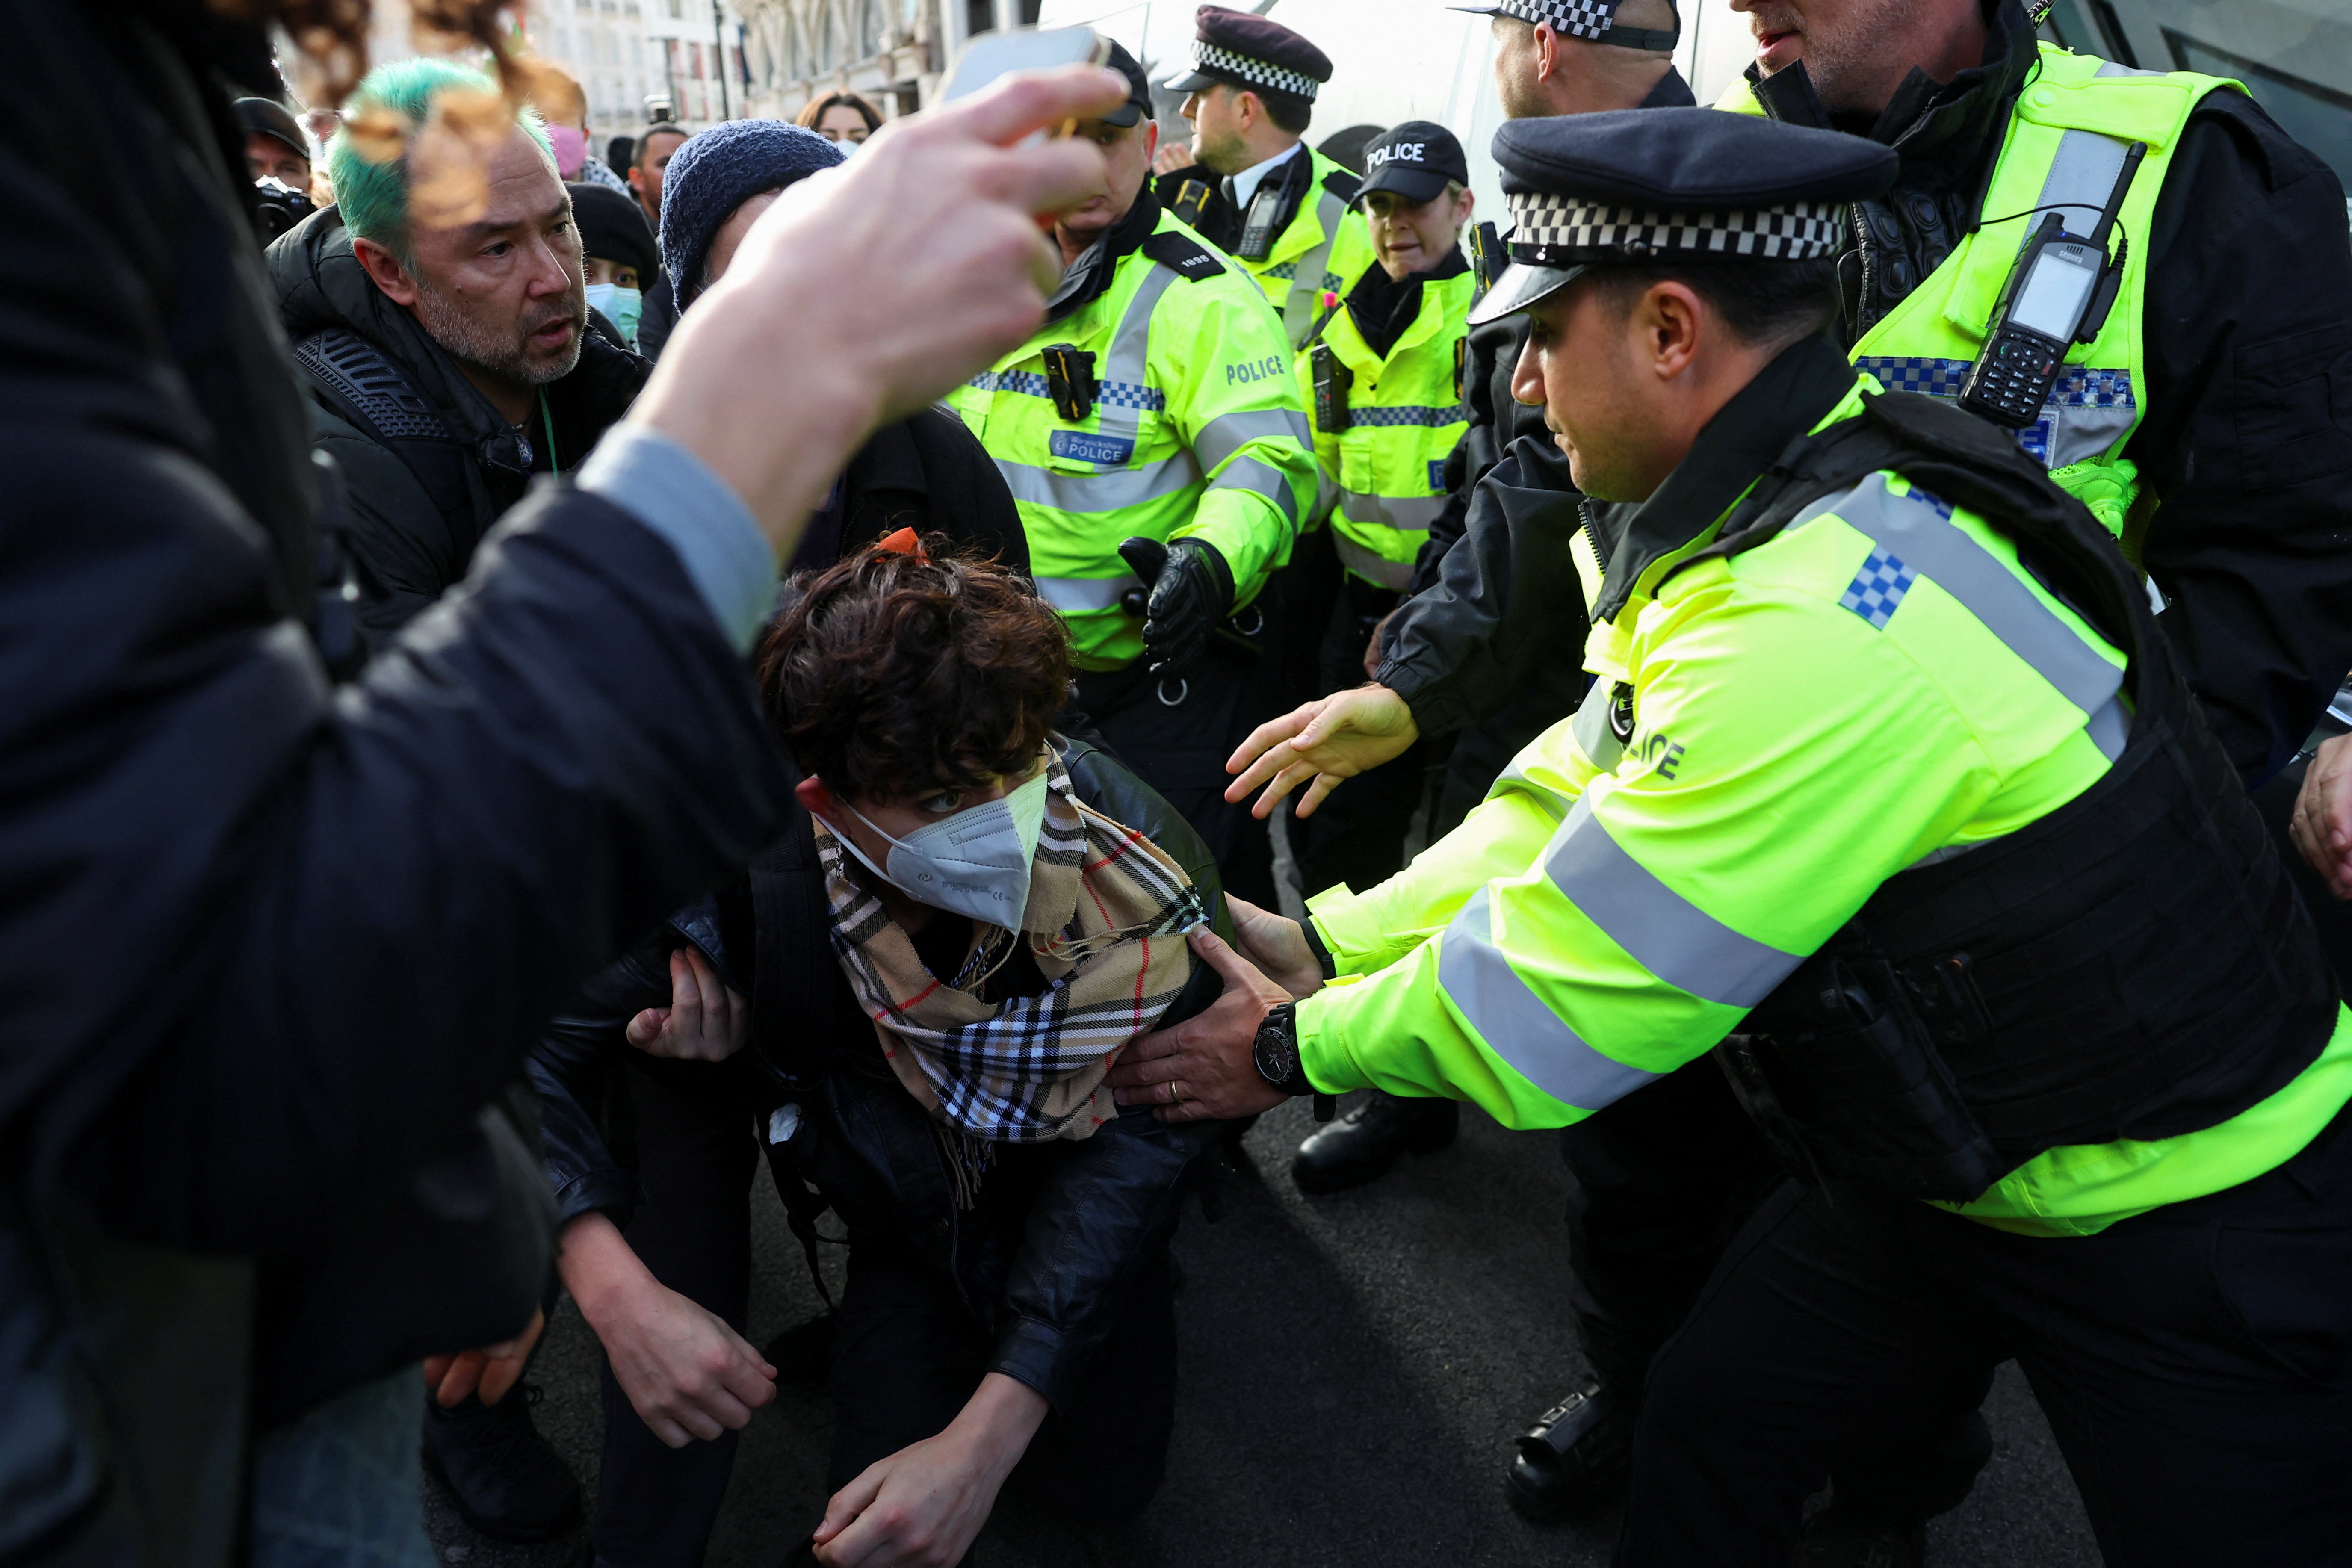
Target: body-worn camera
(1332, 381)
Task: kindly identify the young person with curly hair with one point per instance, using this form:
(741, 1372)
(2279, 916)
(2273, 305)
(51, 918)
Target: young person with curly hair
(971, 915)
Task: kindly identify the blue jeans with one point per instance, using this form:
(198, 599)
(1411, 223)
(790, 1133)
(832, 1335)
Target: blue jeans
(340, 1488)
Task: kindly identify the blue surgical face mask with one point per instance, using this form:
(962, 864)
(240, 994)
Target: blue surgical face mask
(975, 861)
(620, 307)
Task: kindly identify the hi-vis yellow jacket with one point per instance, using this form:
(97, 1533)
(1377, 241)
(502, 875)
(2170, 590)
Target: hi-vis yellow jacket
(1196, 431)
(1324, 247)
(1383, 476)
(1881, 682)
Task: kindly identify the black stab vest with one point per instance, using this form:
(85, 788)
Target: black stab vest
(2135, 964)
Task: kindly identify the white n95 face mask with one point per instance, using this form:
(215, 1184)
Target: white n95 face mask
(974, 862)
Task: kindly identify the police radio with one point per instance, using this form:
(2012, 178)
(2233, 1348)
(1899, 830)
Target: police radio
(1332, 381)
(2058, 294)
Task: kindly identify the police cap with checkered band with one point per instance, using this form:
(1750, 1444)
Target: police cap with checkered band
(1250, 51)
(1642, 185)
(1414, 160)
(1595, 21)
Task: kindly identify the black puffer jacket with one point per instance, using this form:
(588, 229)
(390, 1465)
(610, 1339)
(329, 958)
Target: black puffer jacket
(1101, 1207)
(430, 465)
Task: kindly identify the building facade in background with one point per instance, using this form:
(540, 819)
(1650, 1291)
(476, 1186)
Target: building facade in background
(893, 51)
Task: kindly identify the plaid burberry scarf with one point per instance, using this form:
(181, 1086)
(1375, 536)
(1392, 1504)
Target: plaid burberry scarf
(1105, 922)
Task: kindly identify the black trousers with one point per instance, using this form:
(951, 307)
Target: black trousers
(697, 1149)
(2195, 1363)
(1659, 1182)
(910, 1355)
(1176, 732)
(1357, 836)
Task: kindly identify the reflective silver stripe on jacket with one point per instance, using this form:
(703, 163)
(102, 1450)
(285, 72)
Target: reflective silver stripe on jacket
(1084, 596)
(1595, 736)
(1304, 302)
(1517, 1025)
(1228, 433)
(1111, 489)
(1919, 531)
(1260, 480)
(1392, 511)
(1394, 575)
(1130, 353)
(1663, 931)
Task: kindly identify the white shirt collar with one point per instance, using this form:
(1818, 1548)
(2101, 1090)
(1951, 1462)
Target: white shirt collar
(1244, 185)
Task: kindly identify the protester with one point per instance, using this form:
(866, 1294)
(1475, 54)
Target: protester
(619, 259)
(925, 472)
(1894, 798)
(560, 100)
(313, 932)
(620, 152)
(655, 149)
(446, 365)
(843, 116)
(1156, 404)
(1007, 1229)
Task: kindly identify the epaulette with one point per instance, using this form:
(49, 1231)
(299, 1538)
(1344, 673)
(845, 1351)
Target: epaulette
(1188, 258)
(1343, 185)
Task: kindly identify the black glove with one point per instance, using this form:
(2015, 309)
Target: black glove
(1194, 592)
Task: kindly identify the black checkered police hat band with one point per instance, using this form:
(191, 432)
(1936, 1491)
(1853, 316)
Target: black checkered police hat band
(1577, 18)
(1258, 73)
(1553, 231)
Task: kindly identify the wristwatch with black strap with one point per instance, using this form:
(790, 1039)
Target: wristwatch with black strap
(1276, 1052)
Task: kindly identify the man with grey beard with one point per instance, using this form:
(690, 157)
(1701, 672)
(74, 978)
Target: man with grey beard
(445, 335)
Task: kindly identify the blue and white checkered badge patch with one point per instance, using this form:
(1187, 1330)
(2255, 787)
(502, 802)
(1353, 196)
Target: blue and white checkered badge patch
(1878, 588)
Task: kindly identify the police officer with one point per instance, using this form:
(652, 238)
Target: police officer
(1891, 791)
(1381, 378)
(2175, 424)
(1253, 189)
(1551, 56)
(1157, 403)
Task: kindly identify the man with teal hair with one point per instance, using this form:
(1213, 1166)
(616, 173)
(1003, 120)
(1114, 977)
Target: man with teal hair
(439, 318)
(440, 314)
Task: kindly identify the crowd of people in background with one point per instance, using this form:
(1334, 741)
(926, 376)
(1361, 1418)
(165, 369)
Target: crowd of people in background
(880, 777)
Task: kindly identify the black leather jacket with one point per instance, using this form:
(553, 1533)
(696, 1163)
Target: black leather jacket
(1100, 1207)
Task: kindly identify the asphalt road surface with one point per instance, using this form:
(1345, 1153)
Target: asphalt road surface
(1354, 1367)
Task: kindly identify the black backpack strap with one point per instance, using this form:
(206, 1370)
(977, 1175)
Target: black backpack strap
(1185, 256)
(359, 382)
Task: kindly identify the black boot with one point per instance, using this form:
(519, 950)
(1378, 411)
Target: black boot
(1574, 1459)
(508, 1483)
(1370, 1138)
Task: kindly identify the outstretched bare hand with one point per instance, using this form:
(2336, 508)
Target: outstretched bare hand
(1325, 740)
